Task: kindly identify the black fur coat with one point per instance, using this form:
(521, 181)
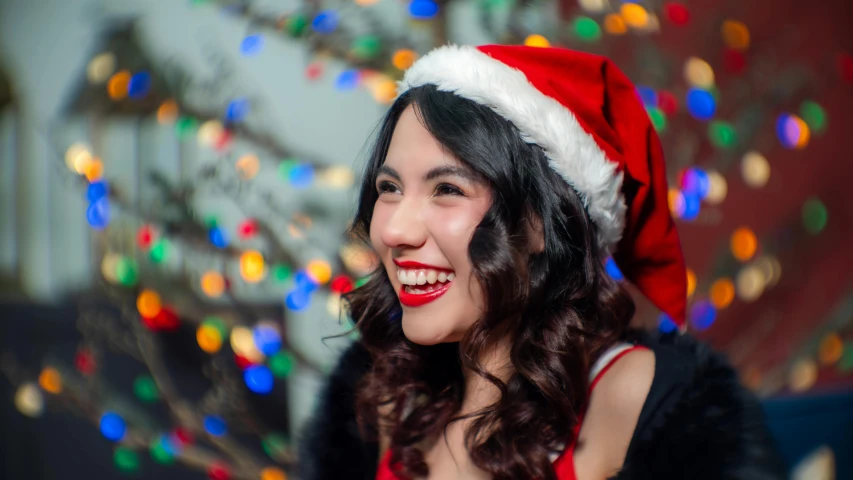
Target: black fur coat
(697, 423)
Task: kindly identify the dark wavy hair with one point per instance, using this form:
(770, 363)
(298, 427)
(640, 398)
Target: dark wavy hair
(559, 306)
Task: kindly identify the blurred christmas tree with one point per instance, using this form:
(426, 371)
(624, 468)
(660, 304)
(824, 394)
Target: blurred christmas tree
(187, 286)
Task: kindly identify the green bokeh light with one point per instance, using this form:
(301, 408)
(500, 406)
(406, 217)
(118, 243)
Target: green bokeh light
(126, 459)
(586, 29)
(159, 251)
(281, 364)
(145, 388)
(366, 47)
(281, 273)
(815, 216)
(722, 134)
(658, 119)
(814, 116)
(127, 271)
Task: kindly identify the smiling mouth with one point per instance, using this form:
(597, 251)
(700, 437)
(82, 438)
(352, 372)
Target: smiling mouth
(421, 286)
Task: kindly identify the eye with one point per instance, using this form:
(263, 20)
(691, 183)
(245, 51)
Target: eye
(385, 186)
(448, 189)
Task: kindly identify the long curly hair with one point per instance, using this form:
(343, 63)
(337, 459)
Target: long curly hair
(559, 306)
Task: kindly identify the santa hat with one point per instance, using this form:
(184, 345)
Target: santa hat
(586, 116)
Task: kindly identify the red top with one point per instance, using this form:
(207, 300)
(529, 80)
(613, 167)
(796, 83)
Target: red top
(564, 465)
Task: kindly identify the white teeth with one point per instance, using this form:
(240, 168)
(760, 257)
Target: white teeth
(423, 276)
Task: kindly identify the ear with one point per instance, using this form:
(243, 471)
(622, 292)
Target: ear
(535, 234)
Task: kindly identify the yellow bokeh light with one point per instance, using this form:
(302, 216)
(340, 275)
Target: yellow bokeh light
(334, 304)
(744, 244)
(635, 15)
(336, 177)
(243, 344)
(770, 268)
(209, 132)
(536, 40)
(385, 91)
(95, 170)
(209, 339)
(248, 166)
(614, 24)
(212, 284)
(803, 375)
(593, 6)
(50, 380)
(831, 349)
(698, 73)
(675, 199)
(717, 188)
(167, 112)
(118, 84)
(691, 282)
(320, 271)
(735, 35)
(722, 293)
(148, 303)
(404, 58)
(358, 259)
(252, 267)
(749, 283)
(274, 473)
(109, 267)
(29, 400)
(73, 153)
(755, 169)
(101, 67)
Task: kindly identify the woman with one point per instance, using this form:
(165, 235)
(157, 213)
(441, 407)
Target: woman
(493, 342)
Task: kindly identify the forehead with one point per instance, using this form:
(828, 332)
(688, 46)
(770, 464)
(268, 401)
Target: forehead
(414, 149)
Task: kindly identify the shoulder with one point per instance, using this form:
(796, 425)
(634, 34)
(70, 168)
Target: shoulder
(625, 385)
(618, 396)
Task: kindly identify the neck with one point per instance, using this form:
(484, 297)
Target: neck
(479, 392)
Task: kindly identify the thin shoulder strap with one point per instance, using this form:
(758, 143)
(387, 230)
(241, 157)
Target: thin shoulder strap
(608, 359)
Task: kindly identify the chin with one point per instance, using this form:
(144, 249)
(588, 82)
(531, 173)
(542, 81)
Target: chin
(424, 332)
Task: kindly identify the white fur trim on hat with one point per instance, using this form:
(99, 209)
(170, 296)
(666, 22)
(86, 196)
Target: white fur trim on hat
(542, 120)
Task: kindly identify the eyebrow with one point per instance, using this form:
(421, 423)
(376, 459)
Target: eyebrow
(437, 172)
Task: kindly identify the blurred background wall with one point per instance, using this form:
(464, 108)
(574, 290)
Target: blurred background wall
(198, 204)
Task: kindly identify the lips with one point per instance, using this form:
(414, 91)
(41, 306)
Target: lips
(410, 299)
(418, 299)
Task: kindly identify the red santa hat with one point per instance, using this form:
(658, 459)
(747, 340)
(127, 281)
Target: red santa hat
(586, 116)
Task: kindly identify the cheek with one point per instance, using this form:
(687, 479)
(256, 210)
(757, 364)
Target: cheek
(377, 224)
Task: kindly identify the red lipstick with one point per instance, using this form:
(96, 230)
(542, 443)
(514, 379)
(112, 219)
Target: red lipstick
(411, 264)
(418, 299)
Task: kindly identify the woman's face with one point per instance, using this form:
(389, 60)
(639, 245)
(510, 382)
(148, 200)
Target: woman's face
(428, 208)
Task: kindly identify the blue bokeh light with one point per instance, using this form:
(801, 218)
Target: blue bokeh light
(325, 22)
(423, 9)
(701, 104)
(347, 80)
(113, 426)
(267, 339)
(702, 315)
(139, 86)
(252, 44)
(304, 281)
(691, 207)
(613, 270)
(298, 300)
(648, 96)
(259, 379)
(98, 213)
(215, 425)
(97, 190)
(217, 237)
(237, 110)
(301, 176)
(695, 182)
(665, 324)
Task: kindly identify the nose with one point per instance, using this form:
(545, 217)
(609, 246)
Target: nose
(405, 227)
